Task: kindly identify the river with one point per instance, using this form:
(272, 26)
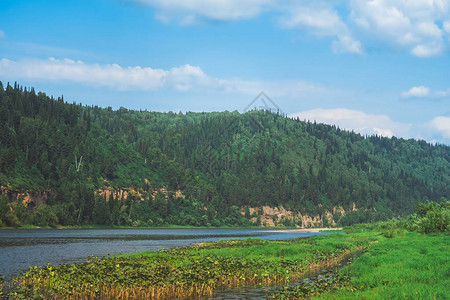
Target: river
(22, 248)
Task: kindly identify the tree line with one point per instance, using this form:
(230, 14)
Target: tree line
(221, 161)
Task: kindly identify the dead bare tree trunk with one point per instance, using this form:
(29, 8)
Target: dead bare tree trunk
(78, 163)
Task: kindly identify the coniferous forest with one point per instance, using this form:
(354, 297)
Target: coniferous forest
(200, 169)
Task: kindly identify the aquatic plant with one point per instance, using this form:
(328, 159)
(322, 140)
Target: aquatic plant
(2, 280)
(186, 271)
(309, 287)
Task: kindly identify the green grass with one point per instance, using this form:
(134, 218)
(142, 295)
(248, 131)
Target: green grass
(309, 249)
(408, 266)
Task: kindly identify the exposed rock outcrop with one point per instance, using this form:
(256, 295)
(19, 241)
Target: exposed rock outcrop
(274, 216)
(31, 199)
(137, 194)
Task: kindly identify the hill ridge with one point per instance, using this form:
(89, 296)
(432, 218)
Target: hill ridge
(221, 161)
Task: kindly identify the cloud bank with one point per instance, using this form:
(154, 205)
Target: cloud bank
(355, 120)
(407, 24)
(441, 126)
(137, 78)
(437, 129)
(419, 27)
(111, 75)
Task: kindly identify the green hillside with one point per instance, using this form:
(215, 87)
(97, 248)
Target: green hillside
(223, 163)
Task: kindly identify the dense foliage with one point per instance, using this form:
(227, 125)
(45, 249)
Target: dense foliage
(430, 217)
(222, 162)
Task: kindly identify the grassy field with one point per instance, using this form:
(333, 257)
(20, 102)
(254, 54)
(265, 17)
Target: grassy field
(407, 265)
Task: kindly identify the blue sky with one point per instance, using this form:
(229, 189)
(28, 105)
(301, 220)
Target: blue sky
(377, 67)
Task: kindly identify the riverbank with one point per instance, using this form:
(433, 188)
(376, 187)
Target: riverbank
(36, 247)
(189, 271)
(118, 227)
(278, 229)
(407, 265)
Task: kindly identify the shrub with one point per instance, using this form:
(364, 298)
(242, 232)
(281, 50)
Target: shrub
(435, 216)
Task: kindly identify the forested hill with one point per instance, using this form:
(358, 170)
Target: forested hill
(222, 164)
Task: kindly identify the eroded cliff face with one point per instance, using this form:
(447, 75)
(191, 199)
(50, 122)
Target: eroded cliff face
(137, 194)
(268, 216)
(31, 199)
(274, 216)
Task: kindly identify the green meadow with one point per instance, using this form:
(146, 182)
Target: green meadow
(408, 266)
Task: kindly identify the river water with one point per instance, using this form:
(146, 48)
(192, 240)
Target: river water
(20, 249)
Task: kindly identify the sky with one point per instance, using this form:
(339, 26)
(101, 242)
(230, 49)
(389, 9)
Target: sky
(376, 67)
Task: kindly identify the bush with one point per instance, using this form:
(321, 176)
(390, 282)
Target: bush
(430, 217)
(45, 216)
(435, 221)
(435, 217)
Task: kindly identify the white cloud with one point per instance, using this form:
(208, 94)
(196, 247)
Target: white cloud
(427, 50)
(420, 27)
(408, 24)
(446, 26)
(442, 94)
(441, 126)
(356, 120)
(425, 92)
(322, 21)
(111, 75)
(2, 34)
(181, 78)
(187, 12)
(438, 129)
(416, 91)
(412, 25)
